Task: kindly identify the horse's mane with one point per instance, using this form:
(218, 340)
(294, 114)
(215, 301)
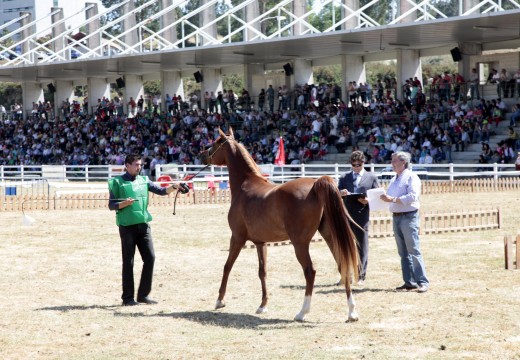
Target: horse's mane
(248, 159)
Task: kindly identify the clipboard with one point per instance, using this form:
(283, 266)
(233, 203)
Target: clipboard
(355, 196)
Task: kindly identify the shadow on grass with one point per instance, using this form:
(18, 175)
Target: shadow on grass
(212, 318)
(334, 288)
(66, 308)
(230, 320)
(227, 320)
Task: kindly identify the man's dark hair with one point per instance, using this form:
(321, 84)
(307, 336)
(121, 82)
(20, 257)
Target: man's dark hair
(357, 156)
(131, 158)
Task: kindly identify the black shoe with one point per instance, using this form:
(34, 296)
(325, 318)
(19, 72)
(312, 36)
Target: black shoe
(406, 287)
(146, 300)
(131, 302)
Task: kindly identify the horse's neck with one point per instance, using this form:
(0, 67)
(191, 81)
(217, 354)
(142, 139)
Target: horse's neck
(239, 170)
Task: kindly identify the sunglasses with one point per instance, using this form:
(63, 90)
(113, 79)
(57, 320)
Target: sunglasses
(356, 165)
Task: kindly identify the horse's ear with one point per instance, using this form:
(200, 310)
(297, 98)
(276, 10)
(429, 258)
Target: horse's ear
(231, 135)
(222, 134)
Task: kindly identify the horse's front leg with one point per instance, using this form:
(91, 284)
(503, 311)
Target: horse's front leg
(235, 246)
(261, 249)
(302, 254)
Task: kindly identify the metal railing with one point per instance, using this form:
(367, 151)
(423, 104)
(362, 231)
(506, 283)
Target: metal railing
(230, 26)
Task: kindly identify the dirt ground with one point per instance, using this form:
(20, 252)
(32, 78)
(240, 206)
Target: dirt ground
(61, 287)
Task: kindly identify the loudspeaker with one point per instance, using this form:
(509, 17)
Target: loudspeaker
(455, 54)
(120, 83)
(51, 88)
(198, 77)
(288, 69)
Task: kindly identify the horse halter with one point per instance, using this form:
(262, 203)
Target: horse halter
(210, 155)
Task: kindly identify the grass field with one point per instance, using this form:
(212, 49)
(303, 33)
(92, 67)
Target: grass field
(61, 287)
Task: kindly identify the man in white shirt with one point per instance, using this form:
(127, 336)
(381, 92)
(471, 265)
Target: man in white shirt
(516, 77)
(316, 126)
(403, 196)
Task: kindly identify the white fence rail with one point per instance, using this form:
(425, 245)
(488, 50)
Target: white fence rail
(97, 173)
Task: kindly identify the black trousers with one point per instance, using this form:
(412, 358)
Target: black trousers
(362, 246)
(361, 242)
(139, 235)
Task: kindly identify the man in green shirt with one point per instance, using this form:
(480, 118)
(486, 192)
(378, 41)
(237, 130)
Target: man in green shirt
(129, 198)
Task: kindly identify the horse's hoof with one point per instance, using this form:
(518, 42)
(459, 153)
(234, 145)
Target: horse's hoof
(219, 304)
(353, 317)
(300, 317)
(261, 310)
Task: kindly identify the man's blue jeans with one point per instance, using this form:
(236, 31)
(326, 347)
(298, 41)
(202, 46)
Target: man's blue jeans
(406, 232)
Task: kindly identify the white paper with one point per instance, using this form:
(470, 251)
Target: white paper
(374, 200)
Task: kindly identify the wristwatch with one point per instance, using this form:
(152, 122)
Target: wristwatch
(394, 200)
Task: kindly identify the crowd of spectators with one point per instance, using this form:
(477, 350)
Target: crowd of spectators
(311, 119)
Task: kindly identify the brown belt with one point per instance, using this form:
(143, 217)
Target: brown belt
(404, 213)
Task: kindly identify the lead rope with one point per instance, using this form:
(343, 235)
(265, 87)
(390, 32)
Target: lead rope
(183, 188)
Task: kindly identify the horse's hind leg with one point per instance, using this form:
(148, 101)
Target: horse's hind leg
(235, 246)
(261, 249)
(352, 313)
(302, 254)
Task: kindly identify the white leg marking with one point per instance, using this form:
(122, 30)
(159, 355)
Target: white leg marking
(261, 310)
(219, 304)
(306, 308)
(352, 314)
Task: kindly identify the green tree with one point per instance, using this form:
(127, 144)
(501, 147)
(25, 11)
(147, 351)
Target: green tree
(437, 65)
(10, 93)
(381, 12)
(323, 20)
(447, 7)
(380, 71)
(233, 82)
(327, 74)
(152, 87)
(139, 16)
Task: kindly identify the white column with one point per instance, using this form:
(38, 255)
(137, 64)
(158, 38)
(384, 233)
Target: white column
(351, 23)
(133, 88)
(207, 16)
(32, 92)
(408, 66)
(252, 12)
(299, 9)
(405, 6)
(172, 84)
(167, 19)
(254, 76)
(92, 26)
(58, 28)
(64, 90)
(353, 68)
(130, 38)
(97, 89)
(465, 65)
(212, 81)
(303, 72)
(469, 4)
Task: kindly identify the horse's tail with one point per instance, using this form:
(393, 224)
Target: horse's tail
(343, 239)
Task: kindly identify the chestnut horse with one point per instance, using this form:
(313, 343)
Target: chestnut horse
(263, 212)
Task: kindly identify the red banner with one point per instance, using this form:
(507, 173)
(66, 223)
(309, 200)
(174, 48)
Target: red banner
(280, 154)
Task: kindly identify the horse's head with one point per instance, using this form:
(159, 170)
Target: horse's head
(215, 155)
